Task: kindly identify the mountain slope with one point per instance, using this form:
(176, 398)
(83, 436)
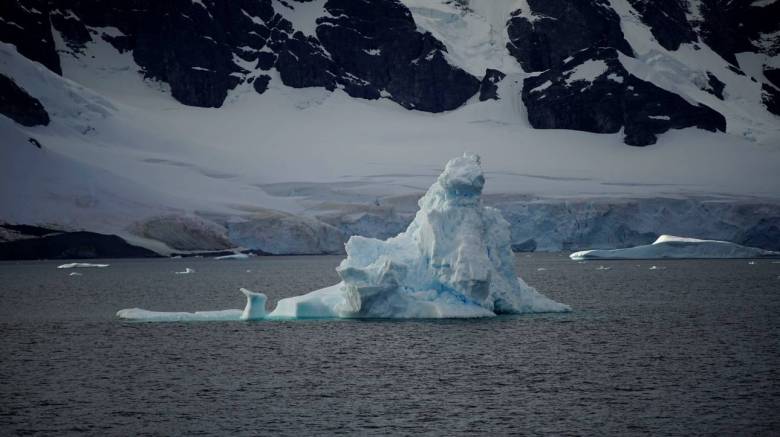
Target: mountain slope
(289, 139)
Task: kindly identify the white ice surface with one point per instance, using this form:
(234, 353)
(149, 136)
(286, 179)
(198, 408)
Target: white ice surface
(668, 246)
(234, 256)
(254, 310)
(80, 265)
(166, 316)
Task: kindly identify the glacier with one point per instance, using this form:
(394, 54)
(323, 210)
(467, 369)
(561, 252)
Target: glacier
(669, 246)
(453, 261)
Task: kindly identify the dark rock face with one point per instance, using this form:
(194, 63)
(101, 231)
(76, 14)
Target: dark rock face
(772, 75)
(19, 106)
(189, 46)
(379, 48)
(72, 29)
(771, 98)
(72, 245)
(21, 20)
(765, 234)
(667, 20)
(302, 63)
(528, 245)
(261, 83)
(731, 27)
(716, 87)
(374, 49)
(199, 48)
(771, 90)
(614, 99)
(562, 28)
(488, 90)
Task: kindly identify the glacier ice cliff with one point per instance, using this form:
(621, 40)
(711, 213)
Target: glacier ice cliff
(669, 246)
(454, 260)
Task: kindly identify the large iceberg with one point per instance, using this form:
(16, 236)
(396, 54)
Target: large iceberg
(669, 246)
(454, 260)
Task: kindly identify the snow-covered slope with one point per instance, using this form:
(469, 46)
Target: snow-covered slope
(298, 169)
(668, 246)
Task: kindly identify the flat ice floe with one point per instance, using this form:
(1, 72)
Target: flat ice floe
(80, 265)
(668, 246)
(454, 260)
(234, 256)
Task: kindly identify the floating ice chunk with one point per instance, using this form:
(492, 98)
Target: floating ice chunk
(454, 260)
(74, 274)
(254, 310)
(80, 265)
(186, 271)
(324, 303)
(603, 268)
(234, 256)
(255, 305)
(162, 316)
(668, 246)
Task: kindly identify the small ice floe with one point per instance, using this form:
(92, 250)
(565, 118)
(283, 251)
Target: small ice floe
(80, 265)
(541, 269)
(186, 271)
(254, 310)
(657, 268)
(74, 274)
(669, 246)
(234, 256)
(603, 268)
(248, 271)
(752, 263)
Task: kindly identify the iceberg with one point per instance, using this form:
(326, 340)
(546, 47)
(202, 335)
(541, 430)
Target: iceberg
(80, 265)
(453, 261)
(669, 246)
(234, 256)
(254, 310)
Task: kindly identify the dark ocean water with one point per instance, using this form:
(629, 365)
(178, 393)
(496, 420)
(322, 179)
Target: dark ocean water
(690, 348)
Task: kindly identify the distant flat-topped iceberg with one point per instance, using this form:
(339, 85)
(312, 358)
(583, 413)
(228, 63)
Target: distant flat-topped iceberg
(454, 260)
(80, 266)
(669, 246)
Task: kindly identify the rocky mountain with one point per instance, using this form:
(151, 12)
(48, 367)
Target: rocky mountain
(144, 114)
(374, 49)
